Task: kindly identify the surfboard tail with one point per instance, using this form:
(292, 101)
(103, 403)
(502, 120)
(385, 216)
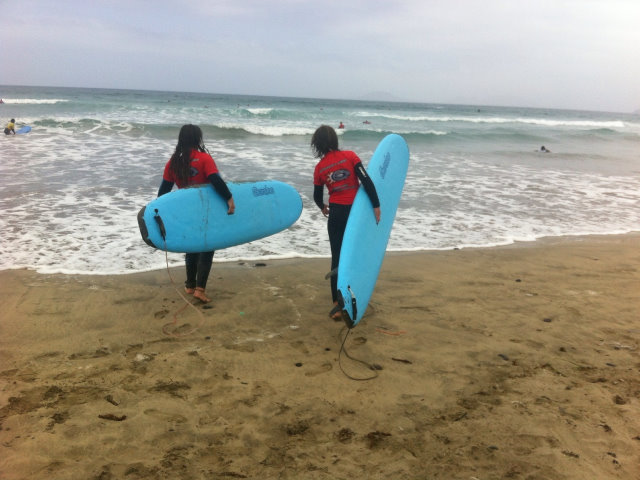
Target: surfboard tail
(350, 319)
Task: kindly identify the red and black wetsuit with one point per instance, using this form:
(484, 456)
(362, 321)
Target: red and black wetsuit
(341, 171)
(203, 170)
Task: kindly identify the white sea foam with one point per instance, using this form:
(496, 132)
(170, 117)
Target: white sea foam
(269, 130)
(260, 111)
(412, 131)
(558, 122)
(34, 101)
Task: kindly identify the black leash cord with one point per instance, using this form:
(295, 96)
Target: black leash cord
(368, 365)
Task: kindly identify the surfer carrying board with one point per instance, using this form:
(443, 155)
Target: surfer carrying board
(341, 171)
(191, 164)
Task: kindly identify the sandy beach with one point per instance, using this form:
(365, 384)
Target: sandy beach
(516, 362)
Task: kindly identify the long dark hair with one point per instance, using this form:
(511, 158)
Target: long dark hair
(324, 140)
(190, 138)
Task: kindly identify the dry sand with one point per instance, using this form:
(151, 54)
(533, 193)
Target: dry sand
(517, 362)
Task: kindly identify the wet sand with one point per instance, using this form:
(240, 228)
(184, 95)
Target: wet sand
(516, 362)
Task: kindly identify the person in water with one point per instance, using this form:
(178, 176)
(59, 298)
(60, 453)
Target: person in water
(544, 149)
(341, 125)
(341, 171)
(11, 127)
(191, 164)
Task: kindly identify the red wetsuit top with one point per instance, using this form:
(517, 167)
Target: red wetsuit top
(337, 170)
(202, 165)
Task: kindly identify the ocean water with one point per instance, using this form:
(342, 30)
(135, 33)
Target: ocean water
(71, 189)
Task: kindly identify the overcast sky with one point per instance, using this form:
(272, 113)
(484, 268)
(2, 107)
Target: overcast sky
(581, 54)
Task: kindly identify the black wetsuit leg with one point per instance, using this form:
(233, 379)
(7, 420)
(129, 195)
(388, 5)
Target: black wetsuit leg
(198, 268)
(338, 216)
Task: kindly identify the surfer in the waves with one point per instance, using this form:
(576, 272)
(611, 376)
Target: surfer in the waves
(10, 128)
(341, 171)
(191, 164)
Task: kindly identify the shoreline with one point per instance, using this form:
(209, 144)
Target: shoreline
(518, 361)
(550, 241)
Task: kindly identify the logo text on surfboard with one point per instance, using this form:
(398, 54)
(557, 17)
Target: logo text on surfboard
(258, 192)
(385, 165)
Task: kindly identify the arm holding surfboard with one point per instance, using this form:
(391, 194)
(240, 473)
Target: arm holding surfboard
(218, 184)
(370, 188)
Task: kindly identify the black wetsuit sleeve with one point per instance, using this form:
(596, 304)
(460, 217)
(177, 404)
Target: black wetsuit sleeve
(368, 185)
(221, 187)
(165, 187)
(318, 191)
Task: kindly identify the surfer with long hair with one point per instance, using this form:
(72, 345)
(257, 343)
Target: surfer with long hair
(342, 172)
(191, 164)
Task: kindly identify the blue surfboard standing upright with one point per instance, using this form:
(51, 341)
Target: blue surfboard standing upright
(365, 242)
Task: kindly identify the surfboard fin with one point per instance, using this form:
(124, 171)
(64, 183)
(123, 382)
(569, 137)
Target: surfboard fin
(354, 309)
(345, 316)
(160, 223)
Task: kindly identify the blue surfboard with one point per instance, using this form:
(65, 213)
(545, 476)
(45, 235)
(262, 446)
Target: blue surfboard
(195, 219)
(365, 242)
(25, 129)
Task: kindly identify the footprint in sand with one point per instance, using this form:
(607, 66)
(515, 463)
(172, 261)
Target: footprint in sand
(300, 346)
(324, 368)
(161, 313)
(100, 352)
(165, 416)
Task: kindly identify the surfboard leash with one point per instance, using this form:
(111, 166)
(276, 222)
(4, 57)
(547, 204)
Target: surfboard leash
(370, 366)
(173, 323)
(175, 315)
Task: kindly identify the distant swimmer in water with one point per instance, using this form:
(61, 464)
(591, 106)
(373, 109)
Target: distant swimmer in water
(544, 149)
(366, 122)
(11, 127)
(341, 125)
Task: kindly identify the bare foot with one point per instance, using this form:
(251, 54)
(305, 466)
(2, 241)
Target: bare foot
(189, 291)
(336, 312)
(199, 294)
